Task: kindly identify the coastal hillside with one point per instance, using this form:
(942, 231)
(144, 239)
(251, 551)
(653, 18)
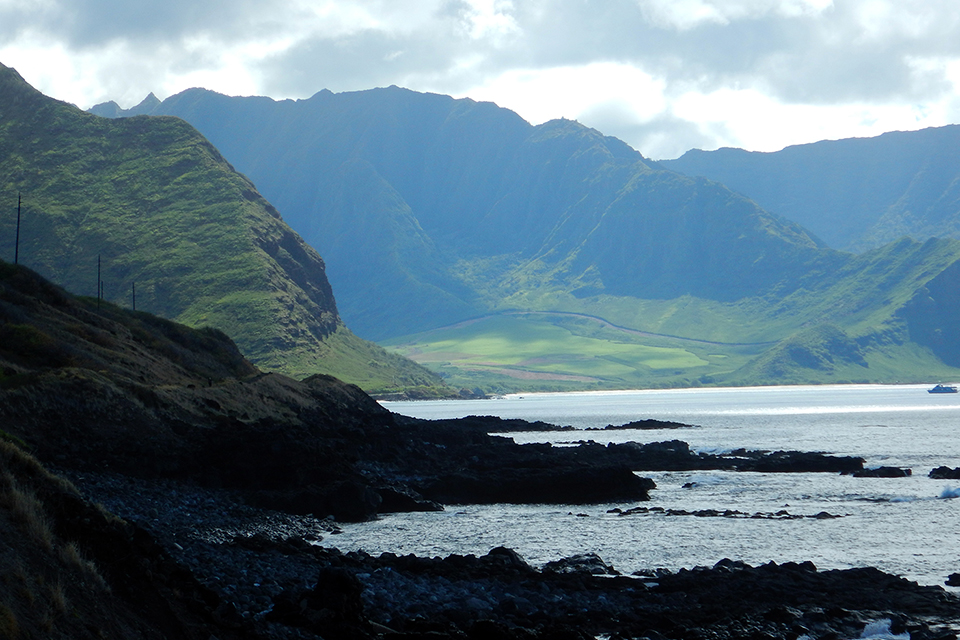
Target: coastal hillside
(221, 480)
(145, 212)
(855, 194)
(515, 257)
(93, 387)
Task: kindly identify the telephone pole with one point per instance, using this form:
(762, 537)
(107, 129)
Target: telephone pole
(16, 246)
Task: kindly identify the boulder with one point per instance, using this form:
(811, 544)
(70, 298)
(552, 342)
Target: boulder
(589, 563)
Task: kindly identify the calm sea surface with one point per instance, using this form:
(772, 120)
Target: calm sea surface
(906, 526)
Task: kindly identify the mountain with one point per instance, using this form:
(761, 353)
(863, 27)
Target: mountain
(401, 191)
(855, 194)
(152, 209)
(516, 257)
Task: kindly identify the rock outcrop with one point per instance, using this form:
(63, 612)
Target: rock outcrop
(945, 473)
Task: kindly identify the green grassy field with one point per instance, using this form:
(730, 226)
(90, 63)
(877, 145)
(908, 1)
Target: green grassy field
(554, 351)
(551, 351)
(842, 323)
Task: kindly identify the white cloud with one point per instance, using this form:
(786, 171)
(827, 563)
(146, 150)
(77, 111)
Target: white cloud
(659, 73)
(752, 120)
(688, 14)
(569, 92)
(491, 19)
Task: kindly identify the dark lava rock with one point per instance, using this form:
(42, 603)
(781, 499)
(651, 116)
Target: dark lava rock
(347, 500)
(794, 462)
(541, 486)
(589, 563)
(578, 597)
(883, 472)
(945, 473)
(399, 499)
(645, 424)
(332, 608)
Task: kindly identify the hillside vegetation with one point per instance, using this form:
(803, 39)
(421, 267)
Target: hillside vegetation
(160, 213)
(511, 256)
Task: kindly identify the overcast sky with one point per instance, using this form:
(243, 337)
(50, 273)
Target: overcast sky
(663, 75)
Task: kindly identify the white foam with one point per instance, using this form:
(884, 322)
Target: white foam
(880, 630)
(714, 450)
(949, 493)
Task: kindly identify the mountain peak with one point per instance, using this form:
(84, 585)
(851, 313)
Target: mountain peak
(146, 105)
(112, 110)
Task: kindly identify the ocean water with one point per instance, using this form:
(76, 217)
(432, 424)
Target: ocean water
(905, 526)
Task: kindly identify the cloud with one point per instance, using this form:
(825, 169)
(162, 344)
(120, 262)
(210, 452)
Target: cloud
(660, 73)
(687, 14)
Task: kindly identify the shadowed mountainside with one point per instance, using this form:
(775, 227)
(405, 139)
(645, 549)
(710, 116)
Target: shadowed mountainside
(431, 202)
(855, 194)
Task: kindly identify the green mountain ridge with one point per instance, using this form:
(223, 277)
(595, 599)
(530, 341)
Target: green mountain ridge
(855, 194)
(160, 210)
(471, 181)
(488, 243)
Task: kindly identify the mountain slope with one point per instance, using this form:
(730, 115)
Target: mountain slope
(855, 194)
(440, 187)
(512, 256)
(158, 208)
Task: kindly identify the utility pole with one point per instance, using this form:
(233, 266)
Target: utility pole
(99, 283)
(16, 247)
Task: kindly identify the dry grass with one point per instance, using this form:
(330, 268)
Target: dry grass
(27, 510)
(58, 598)
(21, 464)
(70, 554)
(9, 626)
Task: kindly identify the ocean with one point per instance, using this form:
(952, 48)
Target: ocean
(904, 526)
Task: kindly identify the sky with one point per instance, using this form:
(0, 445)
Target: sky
(663, 75)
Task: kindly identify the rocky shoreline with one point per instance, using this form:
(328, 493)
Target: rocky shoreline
(277, 575)
(225, 480)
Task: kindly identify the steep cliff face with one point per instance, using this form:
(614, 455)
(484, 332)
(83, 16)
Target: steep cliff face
(152, 209)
